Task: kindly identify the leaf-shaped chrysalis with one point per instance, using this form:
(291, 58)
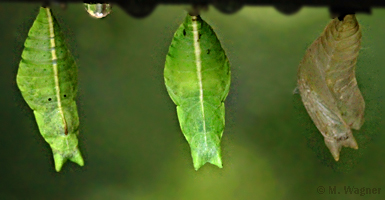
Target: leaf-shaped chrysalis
(328, 86)
(197, 77)
(47, 79)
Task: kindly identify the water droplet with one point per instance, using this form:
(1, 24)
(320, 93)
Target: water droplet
(98, 10)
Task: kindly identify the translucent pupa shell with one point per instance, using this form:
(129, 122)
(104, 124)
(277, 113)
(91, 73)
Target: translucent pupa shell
(328, 86)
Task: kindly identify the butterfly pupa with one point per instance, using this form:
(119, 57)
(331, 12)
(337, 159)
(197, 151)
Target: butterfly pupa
(328, 86)
(47, 79)
(197, 78)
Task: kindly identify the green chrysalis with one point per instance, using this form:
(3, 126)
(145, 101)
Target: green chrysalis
(197, 77)
(328, 86)
(47, 79)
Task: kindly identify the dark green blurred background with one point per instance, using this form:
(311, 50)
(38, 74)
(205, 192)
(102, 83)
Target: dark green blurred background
(130, 136)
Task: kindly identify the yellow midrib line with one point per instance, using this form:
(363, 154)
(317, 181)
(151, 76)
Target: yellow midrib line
(54, 65)
(198, 63)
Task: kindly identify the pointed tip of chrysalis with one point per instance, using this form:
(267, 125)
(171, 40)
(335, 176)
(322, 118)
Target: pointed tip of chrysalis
(335, 146)
(350, 142)
(60, 159)
(206, 157)
(336, 157)
(77, 158)
(198, 165)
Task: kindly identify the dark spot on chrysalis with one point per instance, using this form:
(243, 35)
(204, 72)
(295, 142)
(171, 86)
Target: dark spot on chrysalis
(184, 32)
(343, 138)
(208, 51)
(49, 99)
(65, 95)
